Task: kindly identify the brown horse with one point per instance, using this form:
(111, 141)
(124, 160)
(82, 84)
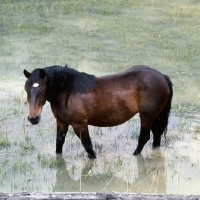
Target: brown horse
(79, 99)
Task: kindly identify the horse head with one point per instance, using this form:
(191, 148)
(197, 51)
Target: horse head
(36, 88)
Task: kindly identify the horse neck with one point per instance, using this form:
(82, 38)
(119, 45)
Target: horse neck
(55, 96)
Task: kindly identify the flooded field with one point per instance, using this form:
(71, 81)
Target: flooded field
(99, 37)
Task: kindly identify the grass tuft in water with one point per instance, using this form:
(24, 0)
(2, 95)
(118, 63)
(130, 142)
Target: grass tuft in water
(4, 141)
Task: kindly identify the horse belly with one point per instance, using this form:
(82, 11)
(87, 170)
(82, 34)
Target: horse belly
(115, 114)
(109, 122)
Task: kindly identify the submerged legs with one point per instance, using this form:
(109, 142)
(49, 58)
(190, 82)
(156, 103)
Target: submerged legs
(156, 138)
(146, 122)
(81, 131)
(143, 139)
(61, 134)
(83, 134)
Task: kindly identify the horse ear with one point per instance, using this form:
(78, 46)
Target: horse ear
(42, 73)
(27, 74)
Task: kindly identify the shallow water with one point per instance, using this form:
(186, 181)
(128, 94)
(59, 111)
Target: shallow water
(30, 163)
(99, 38)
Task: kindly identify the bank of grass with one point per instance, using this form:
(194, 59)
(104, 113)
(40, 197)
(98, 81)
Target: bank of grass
(102, 37)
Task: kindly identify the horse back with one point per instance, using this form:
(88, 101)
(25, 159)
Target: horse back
(139, 85)
(139, 68)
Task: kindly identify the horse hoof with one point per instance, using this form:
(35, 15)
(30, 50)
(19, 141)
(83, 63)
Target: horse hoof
(93, 156)
(155, 147)
(136, 153)
(58, 152)
(156, 144)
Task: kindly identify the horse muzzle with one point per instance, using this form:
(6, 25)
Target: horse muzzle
(34, 119)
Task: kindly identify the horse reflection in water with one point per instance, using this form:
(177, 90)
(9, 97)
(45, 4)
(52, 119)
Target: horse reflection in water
(89, 182)
(151, 177)
(79, 99)
(151, 174)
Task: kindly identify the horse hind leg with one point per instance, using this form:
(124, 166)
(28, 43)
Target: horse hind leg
(146, 121)
(159, 126)
(157, 133)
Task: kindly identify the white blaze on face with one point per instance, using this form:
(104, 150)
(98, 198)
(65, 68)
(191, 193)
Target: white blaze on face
(35, 84)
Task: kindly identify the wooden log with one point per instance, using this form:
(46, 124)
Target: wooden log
(95, 195)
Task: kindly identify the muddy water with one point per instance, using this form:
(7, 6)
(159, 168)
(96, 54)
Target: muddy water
(99, 38)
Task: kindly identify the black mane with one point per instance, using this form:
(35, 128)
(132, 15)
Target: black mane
(65, 78)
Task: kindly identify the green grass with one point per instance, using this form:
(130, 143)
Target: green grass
(4, 140)
(107, 36)
(47, 161)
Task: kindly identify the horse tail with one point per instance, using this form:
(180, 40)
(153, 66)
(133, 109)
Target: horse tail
(160, 124)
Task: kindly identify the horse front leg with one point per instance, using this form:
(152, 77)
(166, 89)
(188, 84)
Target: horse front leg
(61, 134)
(83, 134)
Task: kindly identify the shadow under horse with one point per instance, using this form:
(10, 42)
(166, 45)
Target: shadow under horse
(80, 99)
(151, 174)
(88, 182)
